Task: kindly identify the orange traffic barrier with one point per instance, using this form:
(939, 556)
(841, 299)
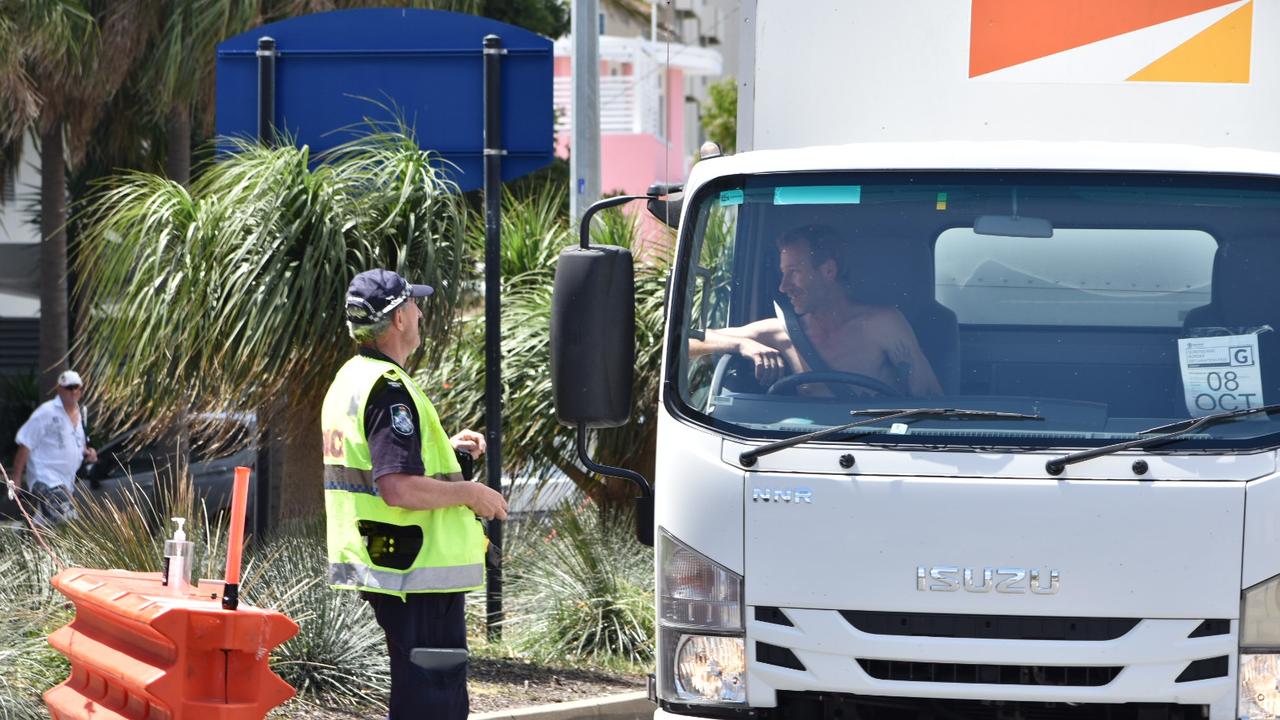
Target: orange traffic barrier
(138, 652)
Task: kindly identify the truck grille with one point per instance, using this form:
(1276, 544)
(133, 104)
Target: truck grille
(1054, 675)
(1206, 669)
(829, 706)
(989, 627)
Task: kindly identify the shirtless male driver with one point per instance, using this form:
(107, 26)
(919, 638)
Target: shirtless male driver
(849, 336)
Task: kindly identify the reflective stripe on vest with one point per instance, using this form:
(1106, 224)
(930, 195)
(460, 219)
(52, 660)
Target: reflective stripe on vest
(419, 580)
(451, 558)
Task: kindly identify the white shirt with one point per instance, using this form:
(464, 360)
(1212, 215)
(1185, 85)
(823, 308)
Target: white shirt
(56, 445)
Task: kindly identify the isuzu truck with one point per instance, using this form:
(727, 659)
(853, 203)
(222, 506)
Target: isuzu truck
(971, 368)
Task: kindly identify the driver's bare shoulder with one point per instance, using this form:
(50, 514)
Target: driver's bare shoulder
(879, 321)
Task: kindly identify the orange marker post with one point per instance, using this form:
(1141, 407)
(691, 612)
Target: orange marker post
(235, 540)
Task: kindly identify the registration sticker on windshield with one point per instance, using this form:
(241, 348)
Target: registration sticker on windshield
(1220, 373)
(730, 197)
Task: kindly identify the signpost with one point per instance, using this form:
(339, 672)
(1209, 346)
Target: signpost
(475, 91)
(335, 71)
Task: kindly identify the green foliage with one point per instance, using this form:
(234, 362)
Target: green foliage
(216, 299)
(535, 231)
(581, 588)
(339, 654)
(579, 591)
(19, 397)
(720, 116)
(545, 17)
(30, 611)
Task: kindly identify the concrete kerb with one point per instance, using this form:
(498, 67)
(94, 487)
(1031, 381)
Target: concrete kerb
(624, 706)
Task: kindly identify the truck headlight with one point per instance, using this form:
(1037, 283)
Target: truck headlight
(1259, 691)
(1259, 675)
(710, 669)
(702, 658)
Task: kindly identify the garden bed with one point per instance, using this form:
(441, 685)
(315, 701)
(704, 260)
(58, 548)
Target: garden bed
(499, 684)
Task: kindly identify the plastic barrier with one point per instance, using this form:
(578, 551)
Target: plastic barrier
(139, 652)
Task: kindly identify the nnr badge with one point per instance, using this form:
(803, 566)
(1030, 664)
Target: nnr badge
(401, 419)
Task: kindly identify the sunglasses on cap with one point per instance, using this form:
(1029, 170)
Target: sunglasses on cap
(71, 387)
(364, 312)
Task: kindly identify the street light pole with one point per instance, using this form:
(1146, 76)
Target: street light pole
(584, 153)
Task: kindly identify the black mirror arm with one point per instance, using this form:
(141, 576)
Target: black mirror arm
(584, 229)
(607, 470)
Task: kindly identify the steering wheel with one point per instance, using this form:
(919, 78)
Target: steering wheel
(717, 380)
(790, 382)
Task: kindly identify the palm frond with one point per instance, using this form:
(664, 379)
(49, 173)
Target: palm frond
(218, 298)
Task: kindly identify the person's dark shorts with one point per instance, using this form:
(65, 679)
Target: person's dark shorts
(51, 504)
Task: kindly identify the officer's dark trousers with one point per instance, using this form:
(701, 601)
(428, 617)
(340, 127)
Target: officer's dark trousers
(429, 620)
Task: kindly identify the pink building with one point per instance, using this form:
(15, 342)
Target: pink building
(646, 136)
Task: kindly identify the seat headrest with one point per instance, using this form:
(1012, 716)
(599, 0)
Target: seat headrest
(891, 271)
(1246, 282)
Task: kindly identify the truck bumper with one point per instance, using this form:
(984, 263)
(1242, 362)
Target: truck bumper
(661, 714)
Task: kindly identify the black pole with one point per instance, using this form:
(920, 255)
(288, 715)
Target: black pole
(266, 118)
(493, 53)
(266, 90)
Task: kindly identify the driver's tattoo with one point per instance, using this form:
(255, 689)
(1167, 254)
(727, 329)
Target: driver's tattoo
(900, 357)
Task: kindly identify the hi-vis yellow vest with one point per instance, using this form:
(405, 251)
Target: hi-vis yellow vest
(451, 558)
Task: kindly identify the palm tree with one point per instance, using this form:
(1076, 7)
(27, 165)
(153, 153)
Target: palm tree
(178, 70)
(60, 63)
(227, 297)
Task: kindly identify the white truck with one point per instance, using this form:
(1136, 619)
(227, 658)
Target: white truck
(1074, 209)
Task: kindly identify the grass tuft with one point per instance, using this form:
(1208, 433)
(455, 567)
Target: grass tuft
(581, 589)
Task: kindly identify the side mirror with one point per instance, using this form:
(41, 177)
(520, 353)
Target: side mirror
(593, 336)
(593, 347)
(662, 207)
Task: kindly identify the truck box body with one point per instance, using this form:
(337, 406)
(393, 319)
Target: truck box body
(829, 73)
(1074, 209)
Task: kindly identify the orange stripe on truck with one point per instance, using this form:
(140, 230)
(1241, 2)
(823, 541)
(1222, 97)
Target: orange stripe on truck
(1004, 33)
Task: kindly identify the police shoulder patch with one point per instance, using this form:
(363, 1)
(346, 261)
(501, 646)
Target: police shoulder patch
(401, 419)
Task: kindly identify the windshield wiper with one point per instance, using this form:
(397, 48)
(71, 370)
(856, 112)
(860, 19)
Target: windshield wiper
(748, 457)
(1164, 433)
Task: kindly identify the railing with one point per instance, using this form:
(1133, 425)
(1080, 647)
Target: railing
(629, 104)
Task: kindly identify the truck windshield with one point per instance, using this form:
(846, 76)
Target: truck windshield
(1104, 303)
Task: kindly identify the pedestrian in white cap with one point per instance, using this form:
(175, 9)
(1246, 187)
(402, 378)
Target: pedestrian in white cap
(52, 442)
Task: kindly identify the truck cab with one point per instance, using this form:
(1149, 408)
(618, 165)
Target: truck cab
(943, 565)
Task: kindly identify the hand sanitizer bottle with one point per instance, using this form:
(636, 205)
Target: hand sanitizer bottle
(177, 560)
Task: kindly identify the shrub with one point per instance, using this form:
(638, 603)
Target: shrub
(31, 610)
(581, 588)
(339, 653)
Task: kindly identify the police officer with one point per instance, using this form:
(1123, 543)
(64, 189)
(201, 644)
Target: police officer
(403, 527)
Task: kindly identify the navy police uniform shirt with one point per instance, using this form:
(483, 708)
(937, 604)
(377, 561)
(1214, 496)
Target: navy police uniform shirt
(391, 426)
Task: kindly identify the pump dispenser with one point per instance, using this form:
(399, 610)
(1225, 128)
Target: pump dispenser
(177, 560)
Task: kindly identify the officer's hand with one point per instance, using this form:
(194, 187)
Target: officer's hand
(770, 364)
(90, 455)
(487, 502)
(469, 441)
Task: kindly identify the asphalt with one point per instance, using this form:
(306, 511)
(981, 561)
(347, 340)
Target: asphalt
(624, 706)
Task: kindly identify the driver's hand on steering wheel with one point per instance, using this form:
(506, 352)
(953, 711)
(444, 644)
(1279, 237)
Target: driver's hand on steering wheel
(771, 366)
